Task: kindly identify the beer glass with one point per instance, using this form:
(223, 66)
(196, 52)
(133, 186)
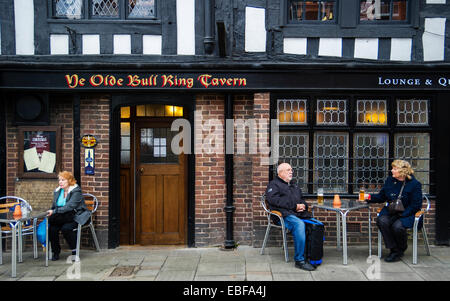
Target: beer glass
(320, 196)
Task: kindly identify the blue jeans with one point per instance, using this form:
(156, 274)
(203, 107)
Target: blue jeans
(297, 228)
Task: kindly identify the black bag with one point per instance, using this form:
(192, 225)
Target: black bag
(397, 205)
(314, 241)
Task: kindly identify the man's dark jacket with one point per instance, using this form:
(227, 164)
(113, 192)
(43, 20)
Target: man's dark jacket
(284, 197)
(411, 198)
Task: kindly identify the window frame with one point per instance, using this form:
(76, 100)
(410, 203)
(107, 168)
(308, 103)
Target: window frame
(391, 128)
(88, 17)
(318, 21)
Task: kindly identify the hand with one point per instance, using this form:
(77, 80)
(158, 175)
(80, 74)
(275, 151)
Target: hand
(366, 197)
(49, 212)
(300, 207)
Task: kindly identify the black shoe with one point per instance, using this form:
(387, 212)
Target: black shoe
(55, 257)
(304, 266)
(393, 257)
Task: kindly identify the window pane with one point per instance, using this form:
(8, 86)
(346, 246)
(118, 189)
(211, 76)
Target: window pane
(292, 111)
(385, 10)
(412, 112)
(156, 146)
(71, 9)
(415, 148)
(294, 150)
(371, 112)
(310, 10)
(331, 112)
(105, 8)
(370, 165)
(141, 8)
(125, 143)
(330, 161)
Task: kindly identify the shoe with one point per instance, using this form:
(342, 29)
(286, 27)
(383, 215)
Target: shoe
(304, 266)
(55, 257)
(393, 257)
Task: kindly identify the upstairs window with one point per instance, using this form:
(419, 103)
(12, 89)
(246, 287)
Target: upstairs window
(384, 10)
(301, 10)
(104, 9)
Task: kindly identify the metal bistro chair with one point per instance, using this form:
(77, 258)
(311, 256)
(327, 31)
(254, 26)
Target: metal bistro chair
(6, 204)
(270, 223)
(92, 205)
(418, 225)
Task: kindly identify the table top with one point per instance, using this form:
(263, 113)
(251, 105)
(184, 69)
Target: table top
(346, 205)
(9, 218)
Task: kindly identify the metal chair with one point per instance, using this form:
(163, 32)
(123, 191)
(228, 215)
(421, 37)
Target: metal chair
(7, 203)
(418, 225)
(270, 223)
(92, 206)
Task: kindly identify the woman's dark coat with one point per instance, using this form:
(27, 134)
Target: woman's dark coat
(411, 198)
(74, 202)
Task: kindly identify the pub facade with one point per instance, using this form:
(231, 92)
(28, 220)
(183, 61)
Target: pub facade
(176, 113)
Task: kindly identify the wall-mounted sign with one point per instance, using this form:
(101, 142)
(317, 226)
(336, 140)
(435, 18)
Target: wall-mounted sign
(89, 161)
(88, 141)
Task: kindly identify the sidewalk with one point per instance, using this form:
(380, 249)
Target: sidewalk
(213, 264)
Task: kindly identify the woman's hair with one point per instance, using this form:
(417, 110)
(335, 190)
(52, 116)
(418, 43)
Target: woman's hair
(404, 167)
(68, 176)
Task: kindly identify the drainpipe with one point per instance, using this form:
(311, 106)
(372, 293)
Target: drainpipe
(208, 40)
(229, 171)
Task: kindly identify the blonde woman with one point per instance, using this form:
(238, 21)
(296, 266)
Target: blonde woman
(68, 210)
(393, 224)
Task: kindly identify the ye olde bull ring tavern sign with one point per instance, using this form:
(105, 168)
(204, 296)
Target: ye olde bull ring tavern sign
(89, 142)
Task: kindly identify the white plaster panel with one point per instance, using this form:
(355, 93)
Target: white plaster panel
(366, 49)
(91, 44)
(59, 44)
(295, 45)
(122, 44)
(401, 49)
(436, 2)
(152, 44)
(330, 47)
(255, 29)
(186, 27)
(24, 26)
(434, 39)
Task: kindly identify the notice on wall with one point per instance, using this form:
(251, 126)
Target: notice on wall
(48, 162)
(31, 158)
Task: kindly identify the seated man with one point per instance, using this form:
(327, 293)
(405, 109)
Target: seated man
(286, 198)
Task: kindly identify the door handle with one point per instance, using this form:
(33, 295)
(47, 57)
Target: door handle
(141, 170)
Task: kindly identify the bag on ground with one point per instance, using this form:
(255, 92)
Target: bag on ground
(314, 241)
(40, 232)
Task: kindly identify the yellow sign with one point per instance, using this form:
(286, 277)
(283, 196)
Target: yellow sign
(88, 141)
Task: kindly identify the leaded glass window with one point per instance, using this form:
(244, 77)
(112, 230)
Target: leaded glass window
(292, 111)
(371, 112)
(294, 150)
(331, 112)
(370, 164)
(330, 161)
(415, 148)
(71, 9)
(105, 8)
(412, 112)
(383, 10)
(141, 8)
(301, 10)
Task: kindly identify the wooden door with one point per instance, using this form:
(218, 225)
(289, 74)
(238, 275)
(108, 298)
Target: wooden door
(161, 191)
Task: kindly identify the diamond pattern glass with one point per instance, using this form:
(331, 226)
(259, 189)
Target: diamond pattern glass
(370, 164)
(294, 150)
(71, 9)
(330, 161)
(105, 8)
(141, 8)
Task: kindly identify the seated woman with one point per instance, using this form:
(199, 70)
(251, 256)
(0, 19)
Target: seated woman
(393, 225)
(67, 211)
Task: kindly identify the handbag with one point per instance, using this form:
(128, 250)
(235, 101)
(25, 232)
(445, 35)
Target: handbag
(397, 205)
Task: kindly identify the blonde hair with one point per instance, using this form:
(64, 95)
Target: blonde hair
(404, 167)
(68, 176)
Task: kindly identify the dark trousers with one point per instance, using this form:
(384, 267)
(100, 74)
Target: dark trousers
(62, 222)
(394, 234)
